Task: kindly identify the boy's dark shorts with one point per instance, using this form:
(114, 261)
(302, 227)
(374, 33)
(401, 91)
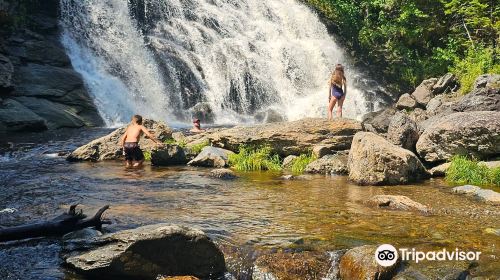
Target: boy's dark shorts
(133, 152)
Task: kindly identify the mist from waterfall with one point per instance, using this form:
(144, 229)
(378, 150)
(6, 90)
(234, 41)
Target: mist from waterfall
(165, 58)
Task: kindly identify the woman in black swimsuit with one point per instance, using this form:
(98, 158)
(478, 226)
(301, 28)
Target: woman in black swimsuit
(337, 91)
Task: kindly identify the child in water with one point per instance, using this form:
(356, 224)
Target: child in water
(130, 142)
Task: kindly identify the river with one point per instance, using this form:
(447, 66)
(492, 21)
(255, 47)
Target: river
(257, 212)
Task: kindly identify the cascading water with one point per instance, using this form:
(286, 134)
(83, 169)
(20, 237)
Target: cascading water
(166, 59)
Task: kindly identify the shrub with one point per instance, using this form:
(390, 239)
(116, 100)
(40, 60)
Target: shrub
(172, 141)
(468, 171)
(147, 155)
(254, 159)
(299, 164)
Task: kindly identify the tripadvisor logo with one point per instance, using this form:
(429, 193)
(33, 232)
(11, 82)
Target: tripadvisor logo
(387, 255)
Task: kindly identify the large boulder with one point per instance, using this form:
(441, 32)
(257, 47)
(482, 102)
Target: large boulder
(108, 147)
(462, 133)
(212, 157)
(375, 161)
(406, 102)
(396, 202)
(359, 263)
(423, 93)
(485, 95)
(378, 122)
(223, 173)
(290, 138)
(403, 131)
(16, 117)
(168, 155)
(329, 164)
(149, 251)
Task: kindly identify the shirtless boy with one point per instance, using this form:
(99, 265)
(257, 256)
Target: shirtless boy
(130, 142)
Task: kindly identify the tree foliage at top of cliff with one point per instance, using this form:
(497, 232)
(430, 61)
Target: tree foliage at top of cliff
(409, 40)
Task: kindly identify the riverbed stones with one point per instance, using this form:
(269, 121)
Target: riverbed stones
(406, 102)
(168, 155)
(108, 147)
(290, 138)
(223, 173)
(463, 133)
(359, 263)
(423, 93)
(291, 265)
(375, 161)
(403, 131)
(211, 157)
(149, 251)
(396, 202)
(329, 164)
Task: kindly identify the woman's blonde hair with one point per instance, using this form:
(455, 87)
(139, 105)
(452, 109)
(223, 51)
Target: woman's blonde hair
(338, 76)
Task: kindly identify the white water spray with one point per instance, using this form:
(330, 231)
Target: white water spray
(162, 57)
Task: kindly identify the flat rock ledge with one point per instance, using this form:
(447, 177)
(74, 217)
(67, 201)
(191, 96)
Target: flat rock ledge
(483, 195)
(149, 251)
(396, 202)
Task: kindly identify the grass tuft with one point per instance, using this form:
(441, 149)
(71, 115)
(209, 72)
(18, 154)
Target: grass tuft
(196, 148)
(469, 171)
(172, 141)
(254, 159)
(299, 164)
(147, 155)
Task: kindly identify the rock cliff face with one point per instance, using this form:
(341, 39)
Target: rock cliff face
(39, 89)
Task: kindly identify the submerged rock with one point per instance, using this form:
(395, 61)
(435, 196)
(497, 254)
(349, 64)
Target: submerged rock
(211, 157)
(168, 155)
(223, 173)
(359, 263)
(396, 202)
(329, 164)
(149, 251)
(483, 195)
(108, 147)
(463, 133)
(294, 265)
(290, 138)
(375, 161)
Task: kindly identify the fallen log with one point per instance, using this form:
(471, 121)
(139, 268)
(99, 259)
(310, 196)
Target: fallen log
(65, 223)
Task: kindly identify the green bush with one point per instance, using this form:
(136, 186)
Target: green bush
(172, 141)
(254, 159)
(463, 170)
(477, 61)
(197, 148)
(299, 164)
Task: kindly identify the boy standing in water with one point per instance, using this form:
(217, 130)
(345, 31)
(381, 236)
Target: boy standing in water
(130, 142)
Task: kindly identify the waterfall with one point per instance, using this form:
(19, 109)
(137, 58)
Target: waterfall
(238, 59)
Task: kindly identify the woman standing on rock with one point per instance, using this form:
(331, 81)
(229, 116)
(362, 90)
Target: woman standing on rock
(337, 91)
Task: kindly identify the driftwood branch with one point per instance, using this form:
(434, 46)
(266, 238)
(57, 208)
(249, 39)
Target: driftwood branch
(65, 223)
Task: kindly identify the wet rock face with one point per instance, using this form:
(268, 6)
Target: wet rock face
(211, 157)
(149, 251)
(108, 147)
(359, 263)
(290, 138)
(463, 133)
(375, 161)
(36, 72)
(483, 195)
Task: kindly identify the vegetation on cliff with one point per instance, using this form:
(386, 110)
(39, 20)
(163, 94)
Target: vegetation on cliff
(411, 40)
